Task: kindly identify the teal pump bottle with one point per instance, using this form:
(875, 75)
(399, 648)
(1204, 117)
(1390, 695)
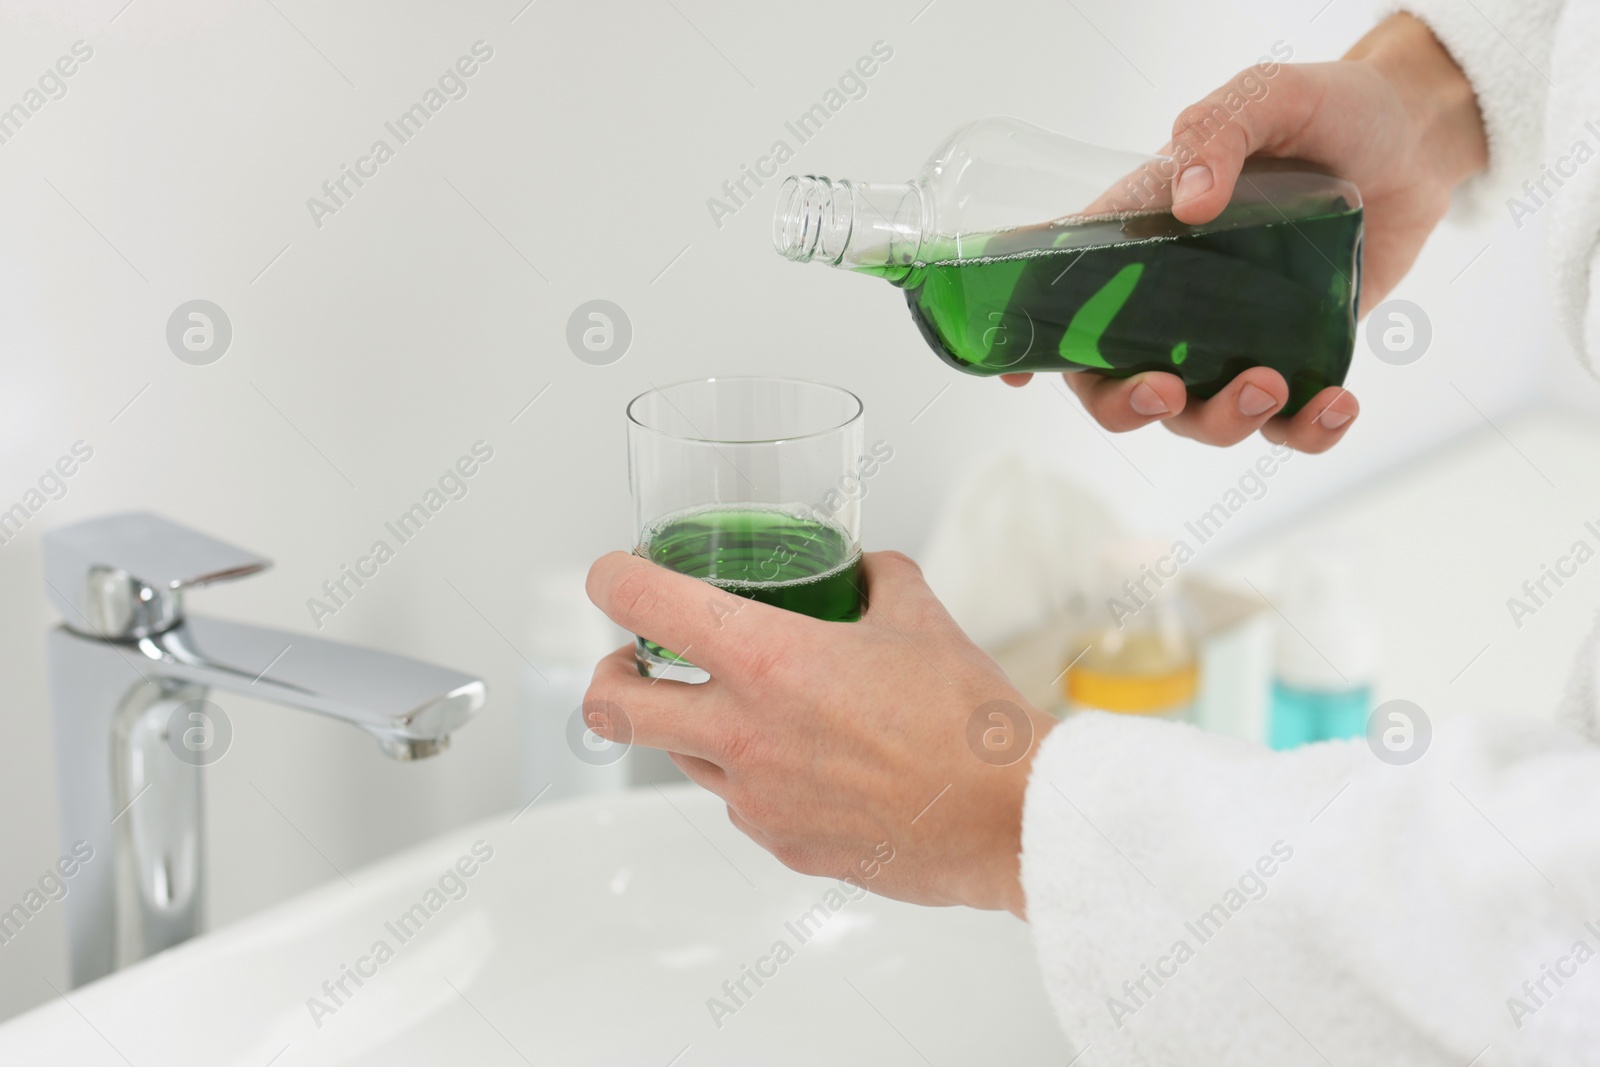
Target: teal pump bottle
(1325, 662)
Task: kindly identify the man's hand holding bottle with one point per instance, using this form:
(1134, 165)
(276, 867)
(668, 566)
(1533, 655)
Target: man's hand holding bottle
(1397, 117)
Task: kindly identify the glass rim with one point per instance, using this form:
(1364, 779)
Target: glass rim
(854, 416)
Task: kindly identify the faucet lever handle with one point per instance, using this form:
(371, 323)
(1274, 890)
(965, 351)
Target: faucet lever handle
(123, 576)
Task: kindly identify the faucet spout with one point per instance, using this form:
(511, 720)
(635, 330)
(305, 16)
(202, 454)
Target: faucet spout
(129, 668)
(409, 706)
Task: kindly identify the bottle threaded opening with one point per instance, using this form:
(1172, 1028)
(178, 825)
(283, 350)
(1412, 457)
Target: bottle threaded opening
(810, 219)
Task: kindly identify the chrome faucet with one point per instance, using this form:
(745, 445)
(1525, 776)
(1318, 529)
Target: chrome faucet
(128, 667)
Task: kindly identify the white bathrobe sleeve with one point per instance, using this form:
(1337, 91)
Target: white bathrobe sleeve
(1534, 68)
(1198, 900)
(1504, 47)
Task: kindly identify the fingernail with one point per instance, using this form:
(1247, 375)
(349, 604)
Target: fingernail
(1146, 401)
(1332, 420)
(1192, 183)
(1254, 401)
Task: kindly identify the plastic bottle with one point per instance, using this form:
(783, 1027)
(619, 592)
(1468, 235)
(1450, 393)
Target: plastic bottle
(1326, 658)
(1022, 250)
(1143, 659)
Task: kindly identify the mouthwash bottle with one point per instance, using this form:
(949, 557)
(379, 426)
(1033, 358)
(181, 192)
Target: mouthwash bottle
(1326, 659)
(1020, 250)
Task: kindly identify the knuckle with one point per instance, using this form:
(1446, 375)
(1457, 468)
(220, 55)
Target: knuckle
(723, 606)
(1198, 127)
(603, 691)
(1246, 79)
(903, 559)
(932, 624)
(604, 715)
(796, 857)
(635, 597)
(1214, 121)
(1289, 77)
(741, 822)
(760, 662)
(1199, 117)
(757, 808)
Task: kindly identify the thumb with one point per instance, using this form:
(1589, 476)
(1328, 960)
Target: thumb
(896, 595)
(1212, 138)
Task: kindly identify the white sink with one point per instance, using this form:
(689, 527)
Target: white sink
(595, 934)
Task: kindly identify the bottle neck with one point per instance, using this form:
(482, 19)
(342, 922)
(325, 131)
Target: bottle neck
(871, 226)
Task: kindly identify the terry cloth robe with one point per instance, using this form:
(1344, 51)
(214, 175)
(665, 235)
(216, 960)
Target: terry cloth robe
(1201, 901)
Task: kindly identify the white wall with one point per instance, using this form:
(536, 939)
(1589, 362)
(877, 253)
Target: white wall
(379, 347)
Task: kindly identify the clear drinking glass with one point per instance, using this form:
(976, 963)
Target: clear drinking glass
(753, 485)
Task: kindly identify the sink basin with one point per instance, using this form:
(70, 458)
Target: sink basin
(598, 931)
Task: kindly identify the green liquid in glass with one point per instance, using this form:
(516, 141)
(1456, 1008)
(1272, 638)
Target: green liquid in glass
(1204, 306)
(774, 555)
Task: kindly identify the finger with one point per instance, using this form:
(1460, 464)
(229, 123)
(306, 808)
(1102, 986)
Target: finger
(1122, 404)
(703, 773)
(710, 627)
(1017, 380)
(896, 596)
(1147, 187)
(622, 707)
(1212, 138)
(1318, 426)
(1242, 407)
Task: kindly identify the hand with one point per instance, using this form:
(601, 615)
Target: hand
(834, 744)
(1398, 118)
